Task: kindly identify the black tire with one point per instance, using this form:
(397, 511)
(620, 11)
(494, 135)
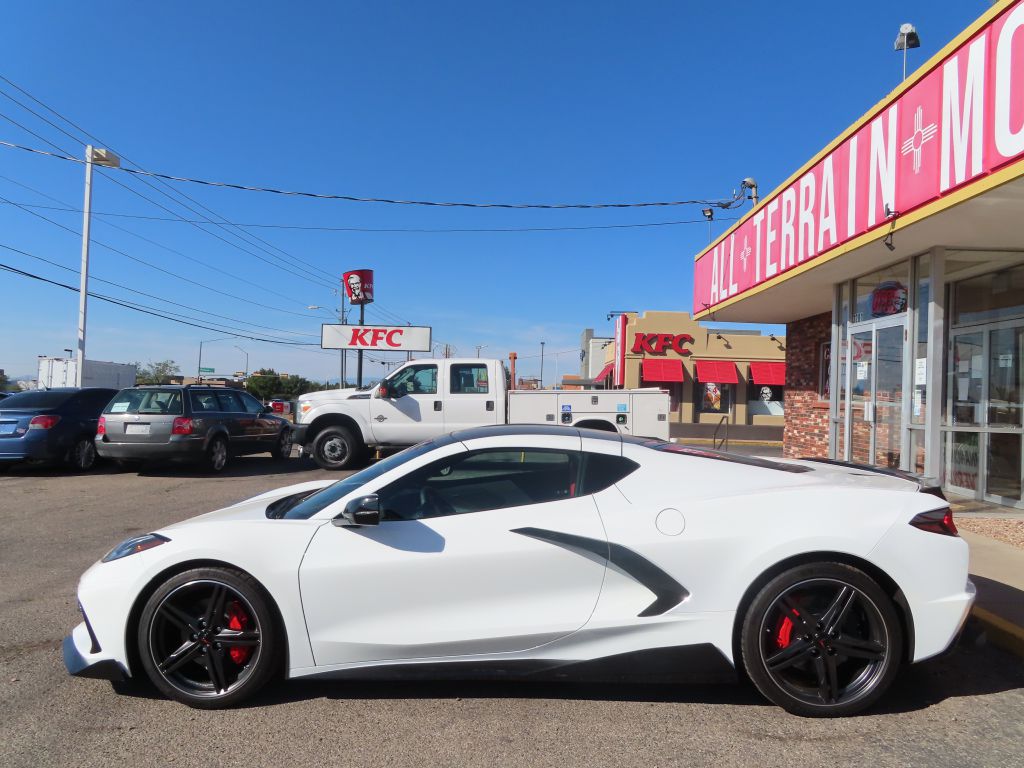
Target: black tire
(337, 448)
(822, 640)
(208, 638)
(82, 455)
(217, 454)
(283, 447)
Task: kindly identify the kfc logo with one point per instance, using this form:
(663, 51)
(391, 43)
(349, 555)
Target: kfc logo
(766, 395)
(660, 343)
(359, 286)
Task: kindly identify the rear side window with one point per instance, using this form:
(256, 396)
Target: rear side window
(146, 401)
(205, 402)
(601, 470)
(229, 402)
(469, 379)
(36, 399)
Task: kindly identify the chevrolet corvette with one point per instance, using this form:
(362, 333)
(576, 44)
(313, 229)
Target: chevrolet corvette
(542, 552)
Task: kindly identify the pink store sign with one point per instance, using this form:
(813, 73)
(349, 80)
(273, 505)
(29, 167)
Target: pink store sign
(961, 122)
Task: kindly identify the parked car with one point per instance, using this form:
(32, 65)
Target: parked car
(52, 425)
(540, 550)
(189, 423)
(4, 395)
(280, 404)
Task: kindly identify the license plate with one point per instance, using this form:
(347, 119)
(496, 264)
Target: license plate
(136, 429)
(8, 428)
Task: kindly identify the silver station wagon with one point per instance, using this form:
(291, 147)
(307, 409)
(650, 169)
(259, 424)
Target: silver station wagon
(189, 423)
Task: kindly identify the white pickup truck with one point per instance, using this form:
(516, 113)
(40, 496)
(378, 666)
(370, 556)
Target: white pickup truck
(426, 398)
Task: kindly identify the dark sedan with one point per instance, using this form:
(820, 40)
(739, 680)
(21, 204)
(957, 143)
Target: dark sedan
(52, 425)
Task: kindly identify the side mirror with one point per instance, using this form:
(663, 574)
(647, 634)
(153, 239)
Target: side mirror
(364, 510)
(383, 391)
(266, 409)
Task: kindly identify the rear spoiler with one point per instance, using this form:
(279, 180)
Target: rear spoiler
(924, 484)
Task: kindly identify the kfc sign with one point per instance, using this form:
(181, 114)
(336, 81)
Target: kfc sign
(661, 343)
(385, 338)
(956, 125)
(359, 286)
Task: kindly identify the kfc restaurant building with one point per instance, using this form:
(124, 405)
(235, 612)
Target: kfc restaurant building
(896, 258)
(722, 380)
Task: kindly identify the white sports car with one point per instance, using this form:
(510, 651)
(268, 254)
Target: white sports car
(542, 551)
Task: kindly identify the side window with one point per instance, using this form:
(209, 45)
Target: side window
(252, 405)
(482, 480)
(469, 379)
(229, 402)
(416, 380)
(600, 470)
(204, 402)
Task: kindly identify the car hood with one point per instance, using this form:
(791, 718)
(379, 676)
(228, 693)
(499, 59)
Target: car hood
(251, 509)
(333, 395)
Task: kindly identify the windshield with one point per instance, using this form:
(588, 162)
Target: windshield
(162, 401)
(322, 499)
(41, 398)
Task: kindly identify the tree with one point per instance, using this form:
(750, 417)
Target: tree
(4, 383)
(156, 373)
(266, 383)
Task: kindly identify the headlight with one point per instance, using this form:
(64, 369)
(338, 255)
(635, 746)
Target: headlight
(135, 545)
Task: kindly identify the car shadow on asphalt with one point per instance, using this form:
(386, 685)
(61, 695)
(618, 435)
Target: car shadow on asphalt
(238, 466)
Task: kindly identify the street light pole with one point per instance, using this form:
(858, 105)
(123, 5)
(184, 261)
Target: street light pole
(542, 365)
(199, 371)
(246, 360)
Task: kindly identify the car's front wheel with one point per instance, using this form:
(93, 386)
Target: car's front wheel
(822, 640)
(207, 638)
(283, 447)
(337, 448)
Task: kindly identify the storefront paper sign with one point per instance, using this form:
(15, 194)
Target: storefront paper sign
(862, 371)
(921, 371)
(960, 122)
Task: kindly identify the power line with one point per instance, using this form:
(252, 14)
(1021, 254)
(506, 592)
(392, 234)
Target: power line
(733, 202)
(413, 230)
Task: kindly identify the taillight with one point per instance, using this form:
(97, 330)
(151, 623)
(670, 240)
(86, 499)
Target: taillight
(937, 521)
(46, 421)
(182, 426)
(101, 426)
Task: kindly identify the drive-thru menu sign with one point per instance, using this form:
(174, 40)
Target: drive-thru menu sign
(386, 338)
(960, 122)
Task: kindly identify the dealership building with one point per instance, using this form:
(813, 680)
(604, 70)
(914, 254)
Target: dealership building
(720, 381)
(895, 257)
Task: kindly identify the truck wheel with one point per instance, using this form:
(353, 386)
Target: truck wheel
(337, 448)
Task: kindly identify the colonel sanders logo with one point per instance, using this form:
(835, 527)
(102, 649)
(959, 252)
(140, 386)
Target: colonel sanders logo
(712, 397)
(766, 394)
(359, 286)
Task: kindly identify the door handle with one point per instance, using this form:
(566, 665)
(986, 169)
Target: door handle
(490, 405)
(437, 405)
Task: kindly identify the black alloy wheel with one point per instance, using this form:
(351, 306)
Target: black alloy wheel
(822, 640)
(207, 638)
(83, 454)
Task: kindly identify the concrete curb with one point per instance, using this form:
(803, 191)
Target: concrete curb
(1001, 632)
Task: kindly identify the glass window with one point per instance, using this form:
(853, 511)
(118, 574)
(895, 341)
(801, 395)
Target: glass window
(919, 396)
(965, 378)
(713, 398)
(37, 399)
(415, 380)
(162, 401)
(229, 402)
(469, 379)
(1003, 465)
(204, 402)
(602, 470)
(481, 480)
(987, 298)
(1005, 362)
(766, 399)
(250, 403)
(881, 293)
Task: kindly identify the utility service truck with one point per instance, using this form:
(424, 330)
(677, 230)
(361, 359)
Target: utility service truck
(430, 397)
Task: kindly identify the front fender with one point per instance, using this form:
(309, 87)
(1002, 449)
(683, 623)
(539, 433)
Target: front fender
(327, 412)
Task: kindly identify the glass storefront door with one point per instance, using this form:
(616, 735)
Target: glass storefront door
(985, 405)
(875, 411)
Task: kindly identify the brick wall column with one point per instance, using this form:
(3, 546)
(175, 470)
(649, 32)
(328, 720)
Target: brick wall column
(806, 422)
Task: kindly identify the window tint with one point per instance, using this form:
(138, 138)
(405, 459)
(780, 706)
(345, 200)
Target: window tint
(36, 399)
(152, 401)
(252, 405)
(481, 480)
(229, 402)
(469, 379)
(204, 402)
(601, 470)
(416, 380)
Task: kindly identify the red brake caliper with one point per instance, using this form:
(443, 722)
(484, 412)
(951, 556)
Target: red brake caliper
(237, 620)
(782, 634)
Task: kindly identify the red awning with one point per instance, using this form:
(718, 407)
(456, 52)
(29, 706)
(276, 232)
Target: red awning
(717, 371)
(606, 371)
(772, 374)
(662, 370)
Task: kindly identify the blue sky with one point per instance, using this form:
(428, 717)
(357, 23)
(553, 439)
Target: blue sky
(508, 102)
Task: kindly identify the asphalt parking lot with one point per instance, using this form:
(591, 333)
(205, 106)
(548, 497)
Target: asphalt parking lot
(961, 711)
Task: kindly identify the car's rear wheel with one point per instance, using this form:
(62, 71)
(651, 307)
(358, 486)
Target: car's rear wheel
(822, 640)
(337, 448)
(207, 638)
(83, 454)
(283, 447)
(217, 454)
